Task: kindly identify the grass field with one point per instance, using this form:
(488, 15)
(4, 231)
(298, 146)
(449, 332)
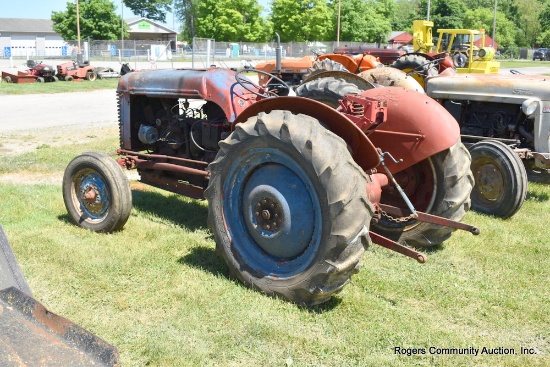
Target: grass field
(158, 292)
(57, 87)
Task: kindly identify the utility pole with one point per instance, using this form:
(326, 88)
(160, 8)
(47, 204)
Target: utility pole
(121, 28)
(338, 27)
(494, 25)
(79, 54)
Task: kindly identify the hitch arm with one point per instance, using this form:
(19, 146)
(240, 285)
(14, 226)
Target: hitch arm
(394, 246)
(428, 218)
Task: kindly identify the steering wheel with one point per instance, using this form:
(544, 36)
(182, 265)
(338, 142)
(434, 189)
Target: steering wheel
(256, 89)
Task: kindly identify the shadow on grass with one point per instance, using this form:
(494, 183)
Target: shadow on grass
(536, 197)
(206, 259)
(174, 208)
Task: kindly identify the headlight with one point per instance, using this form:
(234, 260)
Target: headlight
(529, 106)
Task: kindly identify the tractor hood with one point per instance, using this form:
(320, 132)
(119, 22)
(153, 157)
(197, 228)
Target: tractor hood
(502, 88)
(217, 85)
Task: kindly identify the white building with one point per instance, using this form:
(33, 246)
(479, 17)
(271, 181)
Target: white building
(29, 37)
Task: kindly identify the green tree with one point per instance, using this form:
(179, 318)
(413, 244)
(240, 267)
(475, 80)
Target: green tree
(151, 9)
(528, 22)
(230, 20)
(302, 20)
(405, 11)
(482, 18)
(543, 40)
(364, 20)
(98, 21)
(447, 14)
(185, 11)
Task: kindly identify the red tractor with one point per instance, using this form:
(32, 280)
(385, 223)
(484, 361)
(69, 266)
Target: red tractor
(72, 70)
(43, 72)
(297, 189)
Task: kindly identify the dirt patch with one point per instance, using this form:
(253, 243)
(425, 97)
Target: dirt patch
(24, 141)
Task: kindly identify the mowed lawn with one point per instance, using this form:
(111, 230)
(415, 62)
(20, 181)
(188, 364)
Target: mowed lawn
(158, 292)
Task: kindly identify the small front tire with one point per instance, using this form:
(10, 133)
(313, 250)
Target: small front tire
(91, 76)
(97, 193)
(500, 179)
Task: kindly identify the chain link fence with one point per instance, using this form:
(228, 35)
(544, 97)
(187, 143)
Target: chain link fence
(202, 51)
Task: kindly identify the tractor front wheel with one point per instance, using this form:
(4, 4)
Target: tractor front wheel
(97, 193)
(501, 179)
(288, 207)
(91, 76)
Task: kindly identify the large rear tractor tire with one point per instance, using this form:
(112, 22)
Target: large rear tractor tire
(321, 66)
(439, 185)
(288, 207)
(501, 179)
(327, 90)
(97, 193)
(416, 66)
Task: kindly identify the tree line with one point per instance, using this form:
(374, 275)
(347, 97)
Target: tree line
(519, 23)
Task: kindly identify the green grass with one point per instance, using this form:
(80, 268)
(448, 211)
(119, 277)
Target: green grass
(158, 292)
(522, 63)
(57, 87)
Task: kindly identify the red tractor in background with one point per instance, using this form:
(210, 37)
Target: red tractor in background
(73, 70)
(297, 71)
(37, 72)
(43, 72)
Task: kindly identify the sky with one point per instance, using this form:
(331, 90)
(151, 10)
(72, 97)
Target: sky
(42, 9)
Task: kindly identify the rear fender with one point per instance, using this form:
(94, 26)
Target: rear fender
(362, 150)
(417, 127)
(349, 62)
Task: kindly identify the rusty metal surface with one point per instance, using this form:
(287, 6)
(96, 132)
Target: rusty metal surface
(216, 85)
(362, 150)
(386, 55)
(394, 246)
(20, 77)
(428, 218)
(172, 184)
(412, 134)
(30, 335)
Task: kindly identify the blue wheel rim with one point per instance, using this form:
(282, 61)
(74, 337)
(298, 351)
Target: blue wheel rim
(272, 212)
(92, 195)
